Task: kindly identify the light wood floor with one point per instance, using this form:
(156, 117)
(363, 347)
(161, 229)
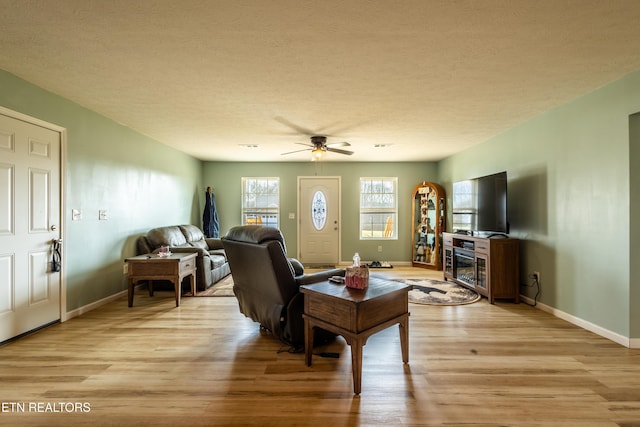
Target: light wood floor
(204, 364)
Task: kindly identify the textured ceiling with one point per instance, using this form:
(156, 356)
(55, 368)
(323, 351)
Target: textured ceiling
(427, 78)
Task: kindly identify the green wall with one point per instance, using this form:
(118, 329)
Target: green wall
(569, 199)
(225, 179)
(140, 182)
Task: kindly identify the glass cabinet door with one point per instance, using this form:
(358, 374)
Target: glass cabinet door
(481, 271)
(427, 225)
(448, 262)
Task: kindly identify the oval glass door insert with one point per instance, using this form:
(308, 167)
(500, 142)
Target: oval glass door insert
(319, 210)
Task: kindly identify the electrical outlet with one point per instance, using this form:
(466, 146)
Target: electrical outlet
(536, 275)
(125, 268)
(379, 248)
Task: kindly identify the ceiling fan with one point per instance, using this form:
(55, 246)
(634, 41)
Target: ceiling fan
(319, 147)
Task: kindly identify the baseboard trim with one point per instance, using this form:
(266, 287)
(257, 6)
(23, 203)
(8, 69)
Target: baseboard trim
(343, 264)
(87, 308)
(584, 324)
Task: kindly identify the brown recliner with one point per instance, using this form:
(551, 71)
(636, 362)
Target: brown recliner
(266, 282)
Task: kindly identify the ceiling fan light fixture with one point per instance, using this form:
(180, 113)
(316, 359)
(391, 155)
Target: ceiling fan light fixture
(317, 154)
(319, 148)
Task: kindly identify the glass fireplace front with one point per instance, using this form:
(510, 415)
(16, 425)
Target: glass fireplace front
(464, 266)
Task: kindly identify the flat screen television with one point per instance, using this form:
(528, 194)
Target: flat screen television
(480, 205)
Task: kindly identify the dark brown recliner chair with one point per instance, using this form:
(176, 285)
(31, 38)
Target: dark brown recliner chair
(266, 282)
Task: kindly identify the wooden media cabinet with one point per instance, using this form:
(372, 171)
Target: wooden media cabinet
(488, 265)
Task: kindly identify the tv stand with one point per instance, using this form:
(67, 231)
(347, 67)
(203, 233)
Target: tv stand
(487, 265)
(494, 235)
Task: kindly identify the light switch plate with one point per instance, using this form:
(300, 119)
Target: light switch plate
(76, 214)
(102, 215)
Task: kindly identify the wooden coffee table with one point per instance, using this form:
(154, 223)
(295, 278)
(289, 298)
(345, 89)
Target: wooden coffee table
(173, 268)
(356, 315)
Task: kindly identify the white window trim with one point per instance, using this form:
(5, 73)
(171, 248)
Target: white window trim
(392, 211)
(244, 210)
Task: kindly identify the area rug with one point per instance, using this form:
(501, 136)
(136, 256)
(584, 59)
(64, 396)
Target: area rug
(425, 291)
(437, 292)
(224, 288)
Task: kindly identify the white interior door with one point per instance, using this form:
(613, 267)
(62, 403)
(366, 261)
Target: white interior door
(319, 220)
(29, 223)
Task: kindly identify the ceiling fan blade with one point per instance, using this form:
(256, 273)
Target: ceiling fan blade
(297, 151)
(348, 128)
(294, 126)
(305, 144)
(339, 144)
(336, 150)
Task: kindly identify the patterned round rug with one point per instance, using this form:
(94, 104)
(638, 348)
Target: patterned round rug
(437, 292)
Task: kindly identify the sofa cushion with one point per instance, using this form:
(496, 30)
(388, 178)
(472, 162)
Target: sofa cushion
(218, 252)
(166, 236)
(217, 261)
(192, 233)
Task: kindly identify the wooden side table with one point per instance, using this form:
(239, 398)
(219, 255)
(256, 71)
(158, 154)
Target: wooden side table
(173, 268)
(356, 315)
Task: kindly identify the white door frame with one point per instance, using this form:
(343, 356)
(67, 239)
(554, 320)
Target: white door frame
(63, 161)
(299, 239)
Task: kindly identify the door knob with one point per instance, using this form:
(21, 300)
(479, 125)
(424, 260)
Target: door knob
(54, 228)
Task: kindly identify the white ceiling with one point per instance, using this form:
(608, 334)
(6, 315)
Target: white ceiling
(429, 78)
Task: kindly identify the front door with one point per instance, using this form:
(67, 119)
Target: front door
(319, 220)
(29, 224)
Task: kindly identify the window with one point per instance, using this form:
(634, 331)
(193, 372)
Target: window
(261, 201)
(465, 202)
(379, 208)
